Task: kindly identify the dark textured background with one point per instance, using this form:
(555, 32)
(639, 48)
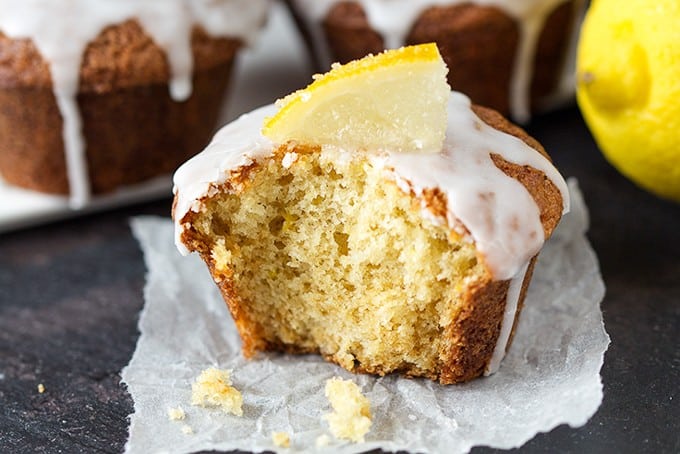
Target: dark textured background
(70, 294)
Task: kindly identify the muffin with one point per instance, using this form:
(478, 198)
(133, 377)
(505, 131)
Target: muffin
(504, 54)
(380, 260)
(98, 94)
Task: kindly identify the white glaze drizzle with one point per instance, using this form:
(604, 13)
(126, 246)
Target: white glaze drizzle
(499, 212)
(511, 303)
(62, 29)
(393, 20)
(564, 92)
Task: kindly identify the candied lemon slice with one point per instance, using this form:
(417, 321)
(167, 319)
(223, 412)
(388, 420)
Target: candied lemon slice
(396, 100)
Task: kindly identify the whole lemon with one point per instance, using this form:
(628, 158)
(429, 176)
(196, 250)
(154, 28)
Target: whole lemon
(628, 88)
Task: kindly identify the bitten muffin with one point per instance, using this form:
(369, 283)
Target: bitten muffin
(506, 54)
(97, 95)
(381, 262)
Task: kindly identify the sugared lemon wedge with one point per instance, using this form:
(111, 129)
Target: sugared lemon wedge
(396, 101)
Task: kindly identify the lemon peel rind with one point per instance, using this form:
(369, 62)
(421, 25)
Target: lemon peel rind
(425, 53)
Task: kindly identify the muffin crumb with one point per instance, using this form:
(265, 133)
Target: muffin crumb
(322, 440)
(41, 388)
(213, 388)
(281, 439)
(187, 430)
(351, 416)
(176, 414)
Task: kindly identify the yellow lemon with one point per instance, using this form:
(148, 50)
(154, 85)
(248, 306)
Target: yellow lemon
(395, 100)
(628, 88)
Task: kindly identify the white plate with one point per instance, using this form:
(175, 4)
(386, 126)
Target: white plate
(275, 66)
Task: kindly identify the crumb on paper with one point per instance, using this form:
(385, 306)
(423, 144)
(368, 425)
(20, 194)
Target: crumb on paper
(351, 416)
(187, 430)
(41, 388)
(281, 439)
(176, 414)
(322, 440)
(213, 388)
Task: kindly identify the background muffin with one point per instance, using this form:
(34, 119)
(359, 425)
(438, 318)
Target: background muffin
(99, 94)
(504, 54)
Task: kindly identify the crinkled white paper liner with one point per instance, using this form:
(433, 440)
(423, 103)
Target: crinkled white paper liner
(549, 377)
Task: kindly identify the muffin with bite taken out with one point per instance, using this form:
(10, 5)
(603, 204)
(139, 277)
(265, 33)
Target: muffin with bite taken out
(376, 218)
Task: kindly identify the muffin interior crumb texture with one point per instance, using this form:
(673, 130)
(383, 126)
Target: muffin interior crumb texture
(351, 416)
(213, 388)
(326, 254)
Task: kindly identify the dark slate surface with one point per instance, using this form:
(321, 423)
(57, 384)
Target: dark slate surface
(70, 294)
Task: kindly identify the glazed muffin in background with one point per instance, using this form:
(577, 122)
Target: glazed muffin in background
(509, 55)
(97, 95)
(409, 255)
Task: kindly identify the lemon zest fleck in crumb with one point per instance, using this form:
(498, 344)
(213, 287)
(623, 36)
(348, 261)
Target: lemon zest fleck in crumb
(213, 388)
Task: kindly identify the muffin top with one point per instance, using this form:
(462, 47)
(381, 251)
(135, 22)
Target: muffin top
(97, 45)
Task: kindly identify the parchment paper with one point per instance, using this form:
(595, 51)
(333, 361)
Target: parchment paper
(549, 377)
